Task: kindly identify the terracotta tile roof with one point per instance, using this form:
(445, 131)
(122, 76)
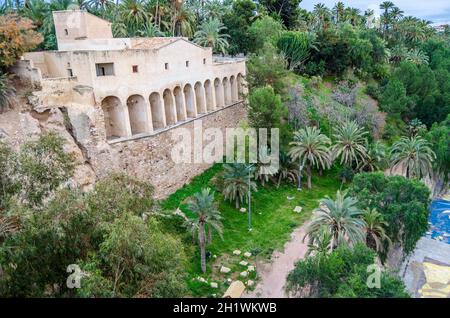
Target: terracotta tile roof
(151, 43)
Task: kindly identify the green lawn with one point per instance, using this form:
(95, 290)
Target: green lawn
(273, 219)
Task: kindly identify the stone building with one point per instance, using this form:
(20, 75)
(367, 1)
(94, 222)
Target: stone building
(126, 89)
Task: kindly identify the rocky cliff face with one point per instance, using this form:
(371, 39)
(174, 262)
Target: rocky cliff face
(22, 123)
(82, 127)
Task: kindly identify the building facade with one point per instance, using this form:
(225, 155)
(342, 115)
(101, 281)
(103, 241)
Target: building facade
(143, 85)
(123, 96)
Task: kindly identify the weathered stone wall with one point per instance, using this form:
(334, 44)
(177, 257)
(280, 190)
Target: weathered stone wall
(149, 158)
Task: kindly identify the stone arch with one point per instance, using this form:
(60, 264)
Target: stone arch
(226, 91)
(137, 110)
(179, 103)
(240, 85)
(157, 110)
(115, 119)
(209, 95)
(218, 87)
(200, 98)
(189, 99)
(233, 87)
(169, 107)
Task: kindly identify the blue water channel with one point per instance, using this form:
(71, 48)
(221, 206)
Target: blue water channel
(439, 221)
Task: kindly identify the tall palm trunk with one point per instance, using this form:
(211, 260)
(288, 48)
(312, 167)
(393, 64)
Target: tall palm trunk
(308, 171)
(202, 245)
(237, 202)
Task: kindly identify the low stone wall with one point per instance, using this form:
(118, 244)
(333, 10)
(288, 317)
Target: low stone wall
(149, 158)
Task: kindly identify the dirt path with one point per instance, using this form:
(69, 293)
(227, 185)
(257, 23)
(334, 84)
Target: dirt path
(273, 275)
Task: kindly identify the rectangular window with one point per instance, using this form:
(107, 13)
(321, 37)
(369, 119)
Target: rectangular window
(135, 68)
(204, 61)
(104, 69)
(187, 63)
(69, 72)
(166, 66)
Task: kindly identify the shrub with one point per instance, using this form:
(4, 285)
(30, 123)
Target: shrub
(342, 273)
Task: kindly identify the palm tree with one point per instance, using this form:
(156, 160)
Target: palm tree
(287, 170)
(7, 93)
(386, 17)
(210, 35)
(350, 143)
(183, 22)
(207, 218)
(99, 5)
(338, 11)
(417, 56)
(265, 168)
(413, 155)
(235, 183)
(36, 11)
(321, 245)
(354, 16)
(149, 29)
(376, 158)
(396, 13)
(416, 126)
(311, 148)
(322, 15)
(340, 218)
(375, 230)
(132, 13)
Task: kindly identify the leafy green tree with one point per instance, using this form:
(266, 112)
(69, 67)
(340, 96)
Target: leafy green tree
(311, 148)
(349, 144)
(439, 138)
(265, 29)
(342, 273)
(341, 218)
(393, 100)
(210, 34)
(267, 68)
(237, 22)
(117, 194)
(402, 202)
(37, 255)
(42, 167)
(413, 156)
(206, 219)
(141, 260)
(265, 108)
(236, 183)
(287, 10)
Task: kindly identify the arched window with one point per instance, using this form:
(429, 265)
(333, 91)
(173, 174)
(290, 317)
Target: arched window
(158, 118)
(200, 98)
(226, 91)
(137, 110)
(169, 107)
(113, 111)
(209, 96)
(218, 87)
(179, 103)
(189, 101)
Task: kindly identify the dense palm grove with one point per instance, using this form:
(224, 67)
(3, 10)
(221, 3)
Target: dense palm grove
(353, 97)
